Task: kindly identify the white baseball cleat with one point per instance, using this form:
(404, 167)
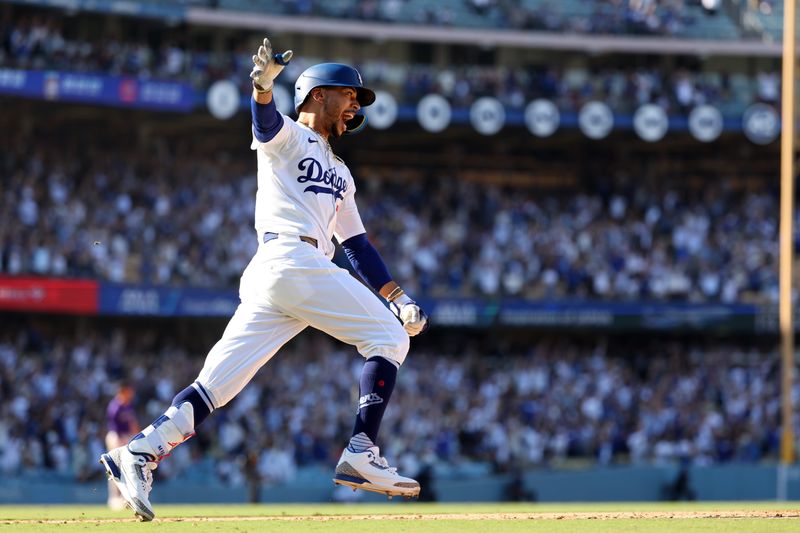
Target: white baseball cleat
(132, 473)
(367, 470)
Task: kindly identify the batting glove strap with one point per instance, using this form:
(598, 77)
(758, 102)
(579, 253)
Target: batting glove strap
(397, 303)
(413, 318)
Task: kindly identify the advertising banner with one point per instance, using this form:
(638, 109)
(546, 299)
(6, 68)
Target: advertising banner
(147, 300)
(89, 297)
(44, 295)
(633, 316)
(120, 91)
(170, 11)
(466, 312)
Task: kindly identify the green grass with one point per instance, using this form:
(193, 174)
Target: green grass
(410, 517)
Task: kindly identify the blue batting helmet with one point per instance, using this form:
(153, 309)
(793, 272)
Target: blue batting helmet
(334, 75)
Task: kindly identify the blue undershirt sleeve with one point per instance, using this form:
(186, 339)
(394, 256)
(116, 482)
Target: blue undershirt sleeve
(366, 261)
(267, 121)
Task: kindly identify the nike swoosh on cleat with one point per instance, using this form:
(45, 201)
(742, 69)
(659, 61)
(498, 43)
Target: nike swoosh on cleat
(312, 140)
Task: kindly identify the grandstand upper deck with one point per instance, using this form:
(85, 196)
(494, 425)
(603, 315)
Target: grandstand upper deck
(37, 39)
(641, 17)
(599, 26)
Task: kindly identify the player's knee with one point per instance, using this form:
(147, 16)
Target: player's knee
(393, 344)
(402, 351)
(401, 346)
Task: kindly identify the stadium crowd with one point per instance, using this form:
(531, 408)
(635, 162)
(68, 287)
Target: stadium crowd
(39, 43)
(536, 404)
(441, 236)
(630, 243)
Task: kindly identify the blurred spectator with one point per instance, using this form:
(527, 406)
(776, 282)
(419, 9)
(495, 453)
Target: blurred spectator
(122, 426)
(516, 491)
(769, 87)
(426, 479)
(680, 488)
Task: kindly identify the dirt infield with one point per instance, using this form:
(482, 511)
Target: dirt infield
(611, 515)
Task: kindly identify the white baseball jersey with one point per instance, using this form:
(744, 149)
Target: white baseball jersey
(304, 189)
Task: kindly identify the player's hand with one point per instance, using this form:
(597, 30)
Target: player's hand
(414, 319)
(267, 66)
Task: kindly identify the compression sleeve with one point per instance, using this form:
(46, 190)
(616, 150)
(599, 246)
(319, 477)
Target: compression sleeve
(366, 261)
(267, 121)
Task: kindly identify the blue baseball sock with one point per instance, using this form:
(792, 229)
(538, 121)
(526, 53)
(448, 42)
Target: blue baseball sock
(375, 389)
(200, 400)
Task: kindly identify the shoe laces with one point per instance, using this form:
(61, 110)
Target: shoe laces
(381, 461)
(147, 468)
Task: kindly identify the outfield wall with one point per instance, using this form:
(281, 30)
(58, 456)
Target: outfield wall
(734, 482)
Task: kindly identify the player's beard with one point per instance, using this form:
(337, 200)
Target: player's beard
(334, 133)
(333, 118)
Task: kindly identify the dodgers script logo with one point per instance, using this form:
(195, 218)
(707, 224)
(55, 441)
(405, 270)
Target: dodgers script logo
(313, 173)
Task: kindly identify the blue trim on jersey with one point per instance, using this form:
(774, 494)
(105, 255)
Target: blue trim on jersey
(267, 121)
(366, 261)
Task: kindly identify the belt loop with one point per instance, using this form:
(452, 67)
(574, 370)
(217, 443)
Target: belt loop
(310, 240)
(271, 236)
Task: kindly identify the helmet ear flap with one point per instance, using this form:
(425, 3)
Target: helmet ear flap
(355, 124)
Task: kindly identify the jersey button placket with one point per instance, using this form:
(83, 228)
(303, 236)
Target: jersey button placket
(328, 154)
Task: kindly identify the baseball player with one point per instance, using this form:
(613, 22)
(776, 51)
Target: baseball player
(305, 197)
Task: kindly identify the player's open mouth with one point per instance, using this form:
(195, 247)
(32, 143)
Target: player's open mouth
(348, 116)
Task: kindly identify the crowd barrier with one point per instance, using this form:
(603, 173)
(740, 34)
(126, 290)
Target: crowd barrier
(601, 484)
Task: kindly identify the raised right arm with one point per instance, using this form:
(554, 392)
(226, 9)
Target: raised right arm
(267, 121)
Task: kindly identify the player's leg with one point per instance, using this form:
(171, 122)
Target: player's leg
(253, 335)
(342, 307)
(361, 465)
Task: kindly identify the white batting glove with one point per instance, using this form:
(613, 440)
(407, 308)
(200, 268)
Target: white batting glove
(414, 319)
(267, 66)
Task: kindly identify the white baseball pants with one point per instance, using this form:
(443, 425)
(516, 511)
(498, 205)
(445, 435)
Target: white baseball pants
(289, 285)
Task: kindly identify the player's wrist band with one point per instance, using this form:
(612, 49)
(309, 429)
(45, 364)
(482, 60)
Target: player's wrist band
(396, 293)
(260, 90)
